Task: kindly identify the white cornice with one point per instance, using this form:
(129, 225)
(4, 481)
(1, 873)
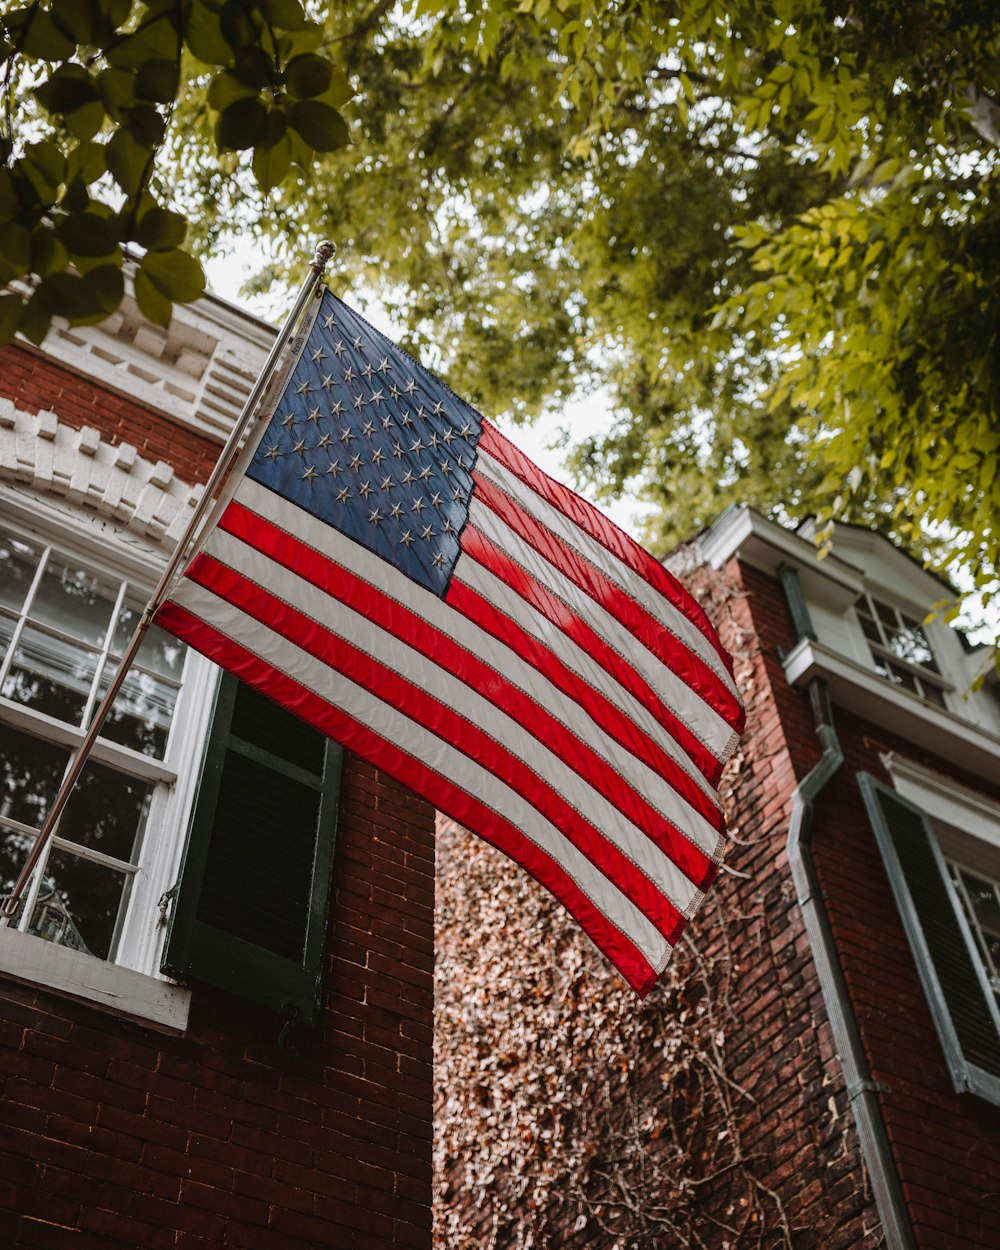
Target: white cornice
(872, 698)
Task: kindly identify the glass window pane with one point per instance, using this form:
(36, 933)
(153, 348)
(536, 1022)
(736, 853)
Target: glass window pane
(983, 897)
(160, 651)
(870, 628)
(18, 562)
(30, 773)
(14, 850)
(899, 675)
(6, 633)
(51, 675)
(79, 904)
(933, 694)
(106, 811)
(141, 715)
(74, 602)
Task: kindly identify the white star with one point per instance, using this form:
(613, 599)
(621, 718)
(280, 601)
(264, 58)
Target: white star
(458, 494)
(288, 419)
(396, 511)
(330, 321)
(335, 468)
(377, 396)
(349, 374)
(303, 388)
(436, 500)
(309, 474)
(359, 401)
(357, 343)
(448, 435)
(398, 450)
(466, 430)
(406, 538)
(272, 452)
(439, 407)
(425, 473)
(384, 365)
(300, 446)
(344, 494)
(433, 441)
(394, 391)
(378, 455)
(368, 370)
(410, 387)
(438, 560)
(427, 533)
(408, 478)
(447, 467)
(368, 429)
(337, 408)
(387, 422)
(387, 483)
(314, 414)
(366, 489)
(417, 445)
(375, 517)
(339, 347)
(417, 506)
(324, 441)
(347, 434)
(328, 382)
(448, 528)
(406, 419)
(318, 355)
(355, 463)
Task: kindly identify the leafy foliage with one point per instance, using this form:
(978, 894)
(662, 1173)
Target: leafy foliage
(93, 85)
(762, 234)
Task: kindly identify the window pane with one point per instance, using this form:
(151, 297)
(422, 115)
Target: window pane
(79, 904)
(71, 600)
(933, 694)
(983, 897)
(902, 677)
(18, 562)
(6, 633)
(30, 773)
(160, 651)
(14, 850)
(106, 811)
(140, 717)
(51, 675)
(910, 643)
(870, 628)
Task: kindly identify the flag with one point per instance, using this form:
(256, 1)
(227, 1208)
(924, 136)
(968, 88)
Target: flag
(393, 570)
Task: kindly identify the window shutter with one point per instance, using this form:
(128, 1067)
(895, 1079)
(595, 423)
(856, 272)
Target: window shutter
(961, 1001)
(251, 906)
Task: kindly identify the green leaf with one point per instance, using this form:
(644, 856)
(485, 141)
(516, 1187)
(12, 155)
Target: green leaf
(42, 39)
(69, 88)
(308, 76)
(226, 89)
(15, 252)
(159, 229)
(85, 163)
(153, 305)
(48, 255)
(204, 36)
(87, 121)
(321, 126)
(127, 160)
(117, 88)
(79, 20)
(253, 67)
(108, 285)
(10, 317)
(88, 234)
(146, 125)
(175, 274)
(157, 81)
(284, 14)
(242, 124)
(44, 167)
(36, 317)
(271, 164)
(153, 41)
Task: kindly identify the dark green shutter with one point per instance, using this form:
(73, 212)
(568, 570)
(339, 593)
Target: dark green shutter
(962, 1003)
(251, 906)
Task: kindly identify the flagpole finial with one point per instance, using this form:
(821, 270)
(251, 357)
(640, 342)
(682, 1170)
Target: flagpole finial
(325, 252)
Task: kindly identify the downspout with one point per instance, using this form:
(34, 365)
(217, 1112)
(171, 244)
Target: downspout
(862, 1091)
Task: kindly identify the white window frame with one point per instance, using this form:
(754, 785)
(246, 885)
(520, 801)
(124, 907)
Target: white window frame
(923, 676)
(132, 985)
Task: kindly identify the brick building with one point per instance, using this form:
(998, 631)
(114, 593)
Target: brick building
(216, 1002)
(821, 1069)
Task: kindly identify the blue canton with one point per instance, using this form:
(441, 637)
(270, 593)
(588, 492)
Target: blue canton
(370, 442)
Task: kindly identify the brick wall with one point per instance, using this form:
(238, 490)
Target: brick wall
(114, 1136)
(35, 382)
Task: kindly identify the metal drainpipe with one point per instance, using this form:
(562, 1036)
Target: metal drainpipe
(861, 1089)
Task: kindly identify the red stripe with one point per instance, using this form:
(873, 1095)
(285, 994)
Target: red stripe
(443, 721)
(484, 551)
(400, 621)
(673, 653)
(413, 773)
(584, 515)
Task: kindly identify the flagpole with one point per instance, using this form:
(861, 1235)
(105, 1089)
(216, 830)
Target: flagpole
(227, 456)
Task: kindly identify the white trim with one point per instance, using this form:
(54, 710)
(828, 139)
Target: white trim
(943, 799)
(863, 692)
(74, 974)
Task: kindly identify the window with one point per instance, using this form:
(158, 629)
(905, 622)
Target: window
(251, 909)
(953, 967)
(980, 899)
(63, 626)
(900, 649)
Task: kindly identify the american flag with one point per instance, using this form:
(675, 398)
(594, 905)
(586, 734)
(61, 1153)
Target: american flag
(396, 572)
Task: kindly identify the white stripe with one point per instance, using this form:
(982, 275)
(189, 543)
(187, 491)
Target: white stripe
(459, 770)
(441, 684)
(479, 642)
(703, 721)
(595, 553)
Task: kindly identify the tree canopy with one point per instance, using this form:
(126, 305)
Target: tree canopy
(765, 235)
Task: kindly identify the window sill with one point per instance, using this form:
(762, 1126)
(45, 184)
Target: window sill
(73, 974)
